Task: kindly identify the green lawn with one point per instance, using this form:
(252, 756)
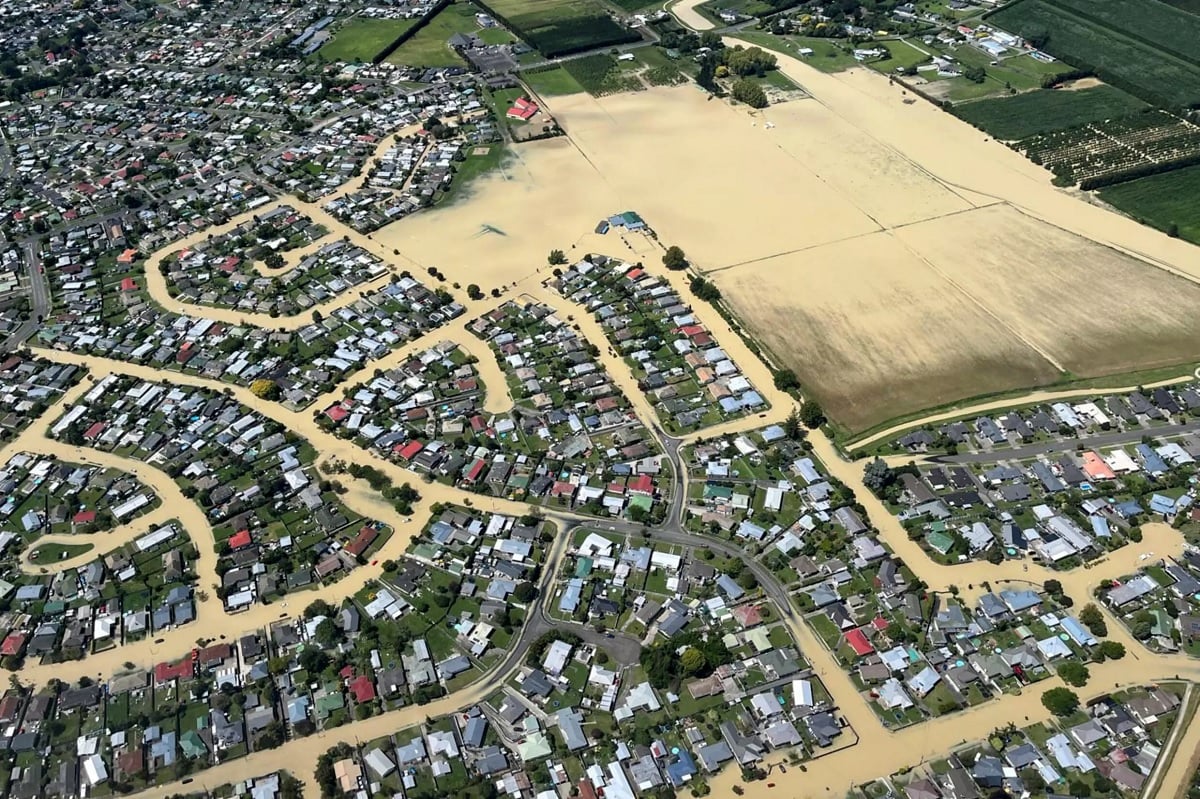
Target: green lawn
(1162, 200)
(551, 82)
(429, 46)
(827, 54)
(46, 554)
(361, 39)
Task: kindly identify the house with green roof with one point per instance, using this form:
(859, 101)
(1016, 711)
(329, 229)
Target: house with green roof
(939, 542)
(192, 744)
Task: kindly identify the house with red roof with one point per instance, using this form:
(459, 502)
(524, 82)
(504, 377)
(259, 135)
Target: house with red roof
(84, 517)
(183, 670)
(642, 484)
(93, 432)
(859, 642)
(562, 489)
(337, 412)
(14, 644)
(127, 257)
(362, 542)
(128, 284)
(473, 474)
(410, 450)
(240, 540)
(363, 688)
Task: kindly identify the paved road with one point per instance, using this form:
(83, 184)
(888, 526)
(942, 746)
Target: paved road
(39, 301)
(1069, 445)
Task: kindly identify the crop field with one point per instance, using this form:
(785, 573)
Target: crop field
(1163, 200)
(1147, 48)
(1105, 151)
(1046, 111)
(361, 39)
(904, 309)
(600, 75)
(560, 27)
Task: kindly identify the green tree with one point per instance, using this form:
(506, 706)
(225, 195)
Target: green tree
(750, 93)
(525, 592)
(1142, 625)
(1113, 650)
(1093, 619)
(786, 380)
(1061, 701)
(692, 661)
(812, 414)
(1073, 673)
(556, 258)
(674, 258)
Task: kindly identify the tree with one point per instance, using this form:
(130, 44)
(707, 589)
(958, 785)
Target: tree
(525, 592)
(1073, 673)
(692, 661)
(474, 292)
(556, 258)
(318, 607)
(1061, 701)
(1142, 625)
(674, 258)
(786, 380)
(1052, 587)
(1173, 230)
(1113, 650)
(326, 633)
(812, 414)
(265, 389)
(975, 74)
(877, 476)
(1093, 619)
(793, 427)
(750, 93)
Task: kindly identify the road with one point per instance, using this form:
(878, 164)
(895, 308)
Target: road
(39, 300)
(1067, 445)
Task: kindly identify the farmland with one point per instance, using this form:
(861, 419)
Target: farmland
(560, 27)
(552, 81)
(361, 39)
(1046, 111)
(1101, 153)
(1162, 200)
(1119, 41)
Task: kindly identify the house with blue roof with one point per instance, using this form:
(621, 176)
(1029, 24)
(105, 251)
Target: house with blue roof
(1128, 509)
(1020, 601)
(682, 769)
(1100, 527)
(1152, 462)
(569, 600)
(1079, 634)
(1163, 505)
(773, 433)
(730, 587)
(297, 710)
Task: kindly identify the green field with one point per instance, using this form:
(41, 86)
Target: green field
(1046, 110)
(827, 55)
(550, 82)
(560, 27)
(429, 46)
(1162, 200)
(1148, 48)
(600, 75)
(47, 554)
(361, 39)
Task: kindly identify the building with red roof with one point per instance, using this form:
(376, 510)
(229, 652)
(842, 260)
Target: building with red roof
(642, 484)
(859, 642)
(363, 688)
(522, 109)
(410, 450)
(362, 542)
(475, 471)
(93, 432)
(84, 517)
(13, 644)
(337, 412)
(183, 670)
(240, 540)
